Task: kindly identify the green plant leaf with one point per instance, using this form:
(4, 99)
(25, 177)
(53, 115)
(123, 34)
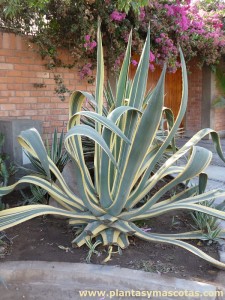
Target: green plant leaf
(186, 246)
(122, 81)
(31, 140)
(91, 133)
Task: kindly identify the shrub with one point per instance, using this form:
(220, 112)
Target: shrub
(125, 156)
(198, 26)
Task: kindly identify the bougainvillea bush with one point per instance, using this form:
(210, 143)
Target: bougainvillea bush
(196, 26)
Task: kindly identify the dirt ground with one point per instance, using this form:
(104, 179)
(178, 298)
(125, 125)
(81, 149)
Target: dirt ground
(49, 239)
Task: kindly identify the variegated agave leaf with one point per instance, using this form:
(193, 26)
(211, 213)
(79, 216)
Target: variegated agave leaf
(125, 156)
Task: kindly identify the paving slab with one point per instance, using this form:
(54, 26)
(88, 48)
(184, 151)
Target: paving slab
(63, 281)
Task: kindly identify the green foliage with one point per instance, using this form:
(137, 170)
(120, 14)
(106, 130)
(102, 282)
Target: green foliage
(7, 169)
(38, 195)
(92, 250)
(135, 5)
(56, 152)
(61, 90)
(208, 224)
(15, 7)
(71, 24)
(125, 157)
(219, 102)
(59, 156)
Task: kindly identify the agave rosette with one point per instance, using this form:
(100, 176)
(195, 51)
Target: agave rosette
(125, 156)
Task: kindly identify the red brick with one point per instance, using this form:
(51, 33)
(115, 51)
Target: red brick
(27, 60)
(30, 112)
(18, 42)
(7, 93)
(15, 100)
(37, 93)
(20, 67)
(24, 117)
(69, 76)
(52, 118)
(16, 80)
(23, 106)
(4, 113)
(43, 100)
(28, 74)
(8, 52)
(55, 99)
(43, 105)
(63, 117)
(5, 66)
(49, 93)
(15, 87)
(22, 93)
(57, 124)
(3, 100)
(16, 113)
(50, 81)
(6, 41)
(7, 106)
(42, 74)
(30, 100)
(37, 67)
(41, 118)
(12, 41)
(3, 79)
(14, 73)
(14, 60)
(63, 105)
(3, 86)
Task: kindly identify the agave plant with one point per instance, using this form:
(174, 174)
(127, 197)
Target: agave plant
(56, 152)
(59, 156)
(208, 224)
(7, 169)
(109, 105)
(125, 155)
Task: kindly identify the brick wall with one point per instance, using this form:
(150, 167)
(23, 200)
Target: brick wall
(193, 115)
(218, 113)
(21, 69)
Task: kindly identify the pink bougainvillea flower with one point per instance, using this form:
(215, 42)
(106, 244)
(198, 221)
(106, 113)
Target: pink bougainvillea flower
(134, 62)
(194, 25)
(87, 38)
(152, 57)
(117, 16)
(93, 44)
(85, 70)
(158, 40)
(151, 67)
(90, 45)
(141, 14)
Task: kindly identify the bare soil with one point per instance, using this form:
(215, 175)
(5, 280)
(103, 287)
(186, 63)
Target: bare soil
(49, 239)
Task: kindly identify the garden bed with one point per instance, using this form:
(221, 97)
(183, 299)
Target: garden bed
(49, 239)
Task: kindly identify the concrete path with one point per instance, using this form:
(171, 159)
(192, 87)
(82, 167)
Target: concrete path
(216, 170)
(64, 281)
